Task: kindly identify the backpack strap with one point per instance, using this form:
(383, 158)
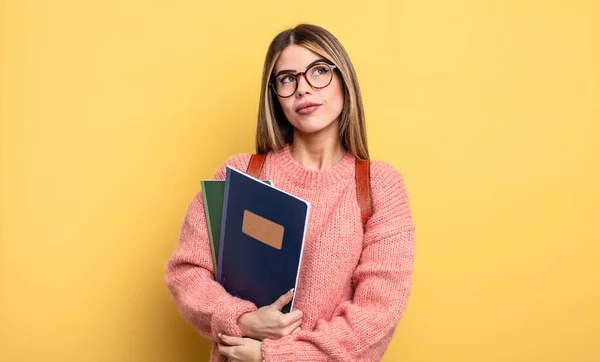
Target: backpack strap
(256, 164)
(363, 182)
(363, 189)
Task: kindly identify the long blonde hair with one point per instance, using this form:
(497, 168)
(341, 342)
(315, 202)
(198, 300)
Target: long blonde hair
(273, 130)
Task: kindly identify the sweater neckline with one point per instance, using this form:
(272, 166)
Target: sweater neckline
(340, 172)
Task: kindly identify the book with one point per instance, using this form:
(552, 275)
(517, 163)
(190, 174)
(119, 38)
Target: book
(262, 238)
(212, 195)
(213, 192)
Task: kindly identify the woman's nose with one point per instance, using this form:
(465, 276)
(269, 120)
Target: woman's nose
(303, 85)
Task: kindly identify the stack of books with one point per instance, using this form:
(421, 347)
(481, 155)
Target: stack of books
(256, 234)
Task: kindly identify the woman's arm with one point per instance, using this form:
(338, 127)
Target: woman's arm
(362, 328)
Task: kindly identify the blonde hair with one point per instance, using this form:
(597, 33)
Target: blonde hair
(273, 130)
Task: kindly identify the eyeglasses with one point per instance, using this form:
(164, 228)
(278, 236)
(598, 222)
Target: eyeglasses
(318, 76)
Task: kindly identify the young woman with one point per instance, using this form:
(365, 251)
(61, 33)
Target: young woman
(355, 279)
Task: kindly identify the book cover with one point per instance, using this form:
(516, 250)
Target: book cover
(262, 238)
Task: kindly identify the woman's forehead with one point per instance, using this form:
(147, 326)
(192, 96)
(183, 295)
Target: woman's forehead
(295, 58)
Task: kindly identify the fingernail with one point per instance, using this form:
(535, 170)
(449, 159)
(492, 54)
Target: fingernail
(220, 335)
(291, 290)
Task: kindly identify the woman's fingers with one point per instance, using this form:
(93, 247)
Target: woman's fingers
(225, 350)
(292, 317)
(295, 326)
(231, 341)
(283, 300)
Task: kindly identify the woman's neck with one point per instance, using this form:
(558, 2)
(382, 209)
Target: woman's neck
(317, 152)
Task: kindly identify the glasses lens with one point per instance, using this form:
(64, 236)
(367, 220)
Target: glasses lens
(285, 85)
(319, 75)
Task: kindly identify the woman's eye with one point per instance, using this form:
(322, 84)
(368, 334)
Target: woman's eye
(320, 70)
(286, 79)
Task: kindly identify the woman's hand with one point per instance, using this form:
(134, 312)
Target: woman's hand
(240, 349)
(269, 322)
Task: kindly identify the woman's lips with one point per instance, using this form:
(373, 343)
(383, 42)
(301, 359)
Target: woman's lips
(308, 110)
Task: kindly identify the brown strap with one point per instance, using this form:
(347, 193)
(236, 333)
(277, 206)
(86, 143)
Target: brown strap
(256, 164)
(363, 183)
(363, 189)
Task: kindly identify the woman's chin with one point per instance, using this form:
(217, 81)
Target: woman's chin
(310, 131)
(311, 127)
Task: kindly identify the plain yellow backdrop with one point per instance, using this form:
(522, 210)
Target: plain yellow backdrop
(112, 111)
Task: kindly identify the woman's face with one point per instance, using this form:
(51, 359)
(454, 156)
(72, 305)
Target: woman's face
(309, 110)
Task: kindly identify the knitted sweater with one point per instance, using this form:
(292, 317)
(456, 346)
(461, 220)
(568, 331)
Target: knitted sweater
(353, 285)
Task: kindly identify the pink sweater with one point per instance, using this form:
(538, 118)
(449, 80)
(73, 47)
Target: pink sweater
(352, 287)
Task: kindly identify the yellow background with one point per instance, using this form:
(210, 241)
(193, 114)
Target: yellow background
(112, 111)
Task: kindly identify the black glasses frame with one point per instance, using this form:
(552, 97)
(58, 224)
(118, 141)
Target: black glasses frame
(297, 75)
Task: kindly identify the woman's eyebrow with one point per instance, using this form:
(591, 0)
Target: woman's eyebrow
(320, 60)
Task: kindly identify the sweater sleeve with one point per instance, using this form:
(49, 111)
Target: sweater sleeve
(361, 328)
(190, 274)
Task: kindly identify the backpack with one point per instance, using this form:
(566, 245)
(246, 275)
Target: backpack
(363, 183)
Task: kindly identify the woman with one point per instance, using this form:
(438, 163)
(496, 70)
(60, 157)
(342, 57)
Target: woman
(354, 281)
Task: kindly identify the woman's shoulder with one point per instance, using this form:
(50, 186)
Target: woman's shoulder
(388, 189)
(383, 172)
(238, 161)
